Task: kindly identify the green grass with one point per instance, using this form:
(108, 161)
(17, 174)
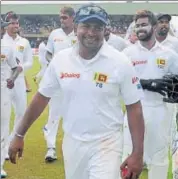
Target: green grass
(32, 165)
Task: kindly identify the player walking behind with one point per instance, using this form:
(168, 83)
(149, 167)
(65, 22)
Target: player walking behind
(8, 77)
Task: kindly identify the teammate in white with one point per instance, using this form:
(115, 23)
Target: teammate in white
(131, 36)
(59, 39)
(23, 53)
(93, 77)
(42, 60)
(152, 61)
(114, 40)
(163, 36)
(8, 65)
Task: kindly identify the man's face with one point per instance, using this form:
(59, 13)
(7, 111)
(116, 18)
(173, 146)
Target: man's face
(13, 27)
(66, 20)
(144, 29)
(91, 33)
(163, 26)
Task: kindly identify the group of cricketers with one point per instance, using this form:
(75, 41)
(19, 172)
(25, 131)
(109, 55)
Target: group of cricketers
(86, 74)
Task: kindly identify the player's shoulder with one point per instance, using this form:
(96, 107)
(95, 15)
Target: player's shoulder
(63, 56)
(172, 38)
(130, 48)
(56, 31)
(169, 52)
(114, 56)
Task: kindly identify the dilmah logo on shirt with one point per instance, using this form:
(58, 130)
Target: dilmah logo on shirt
(100, 78)
(69, 75)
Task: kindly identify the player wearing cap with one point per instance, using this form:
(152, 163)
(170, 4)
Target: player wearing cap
(8, 62)
(152, 61)
(163, 36)
(59, 39)
(23, 53)
(93, 77)
(114, 40)
(162, 32)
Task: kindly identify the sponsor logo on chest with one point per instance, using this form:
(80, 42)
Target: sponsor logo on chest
(69, 75)
(139, 62)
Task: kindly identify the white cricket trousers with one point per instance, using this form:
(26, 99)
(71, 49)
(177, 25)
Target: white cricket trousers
(51, 128)
(156, 142)
(5, 122)
(99, 159)
(19, 99)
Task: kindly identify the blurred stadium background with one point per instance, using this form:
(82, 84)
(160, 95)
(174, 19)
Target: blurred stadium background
(39, 18)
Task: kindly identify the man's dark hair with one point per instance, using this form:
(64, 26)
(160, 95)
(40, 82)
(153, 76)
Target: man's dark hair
(68, 10)
(146, 13)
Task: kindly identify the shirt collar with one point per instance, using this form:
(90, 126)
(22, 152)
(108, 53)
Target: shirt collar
(101, 53)
(157, 45)
(6, 35)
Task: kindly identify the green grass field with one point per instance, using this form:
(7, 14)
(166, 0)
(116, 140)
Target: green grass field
(32, 165)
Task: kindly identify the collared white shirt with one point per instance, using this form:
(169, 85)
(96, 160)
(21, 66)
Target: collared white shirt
(91, 91)
(23, 51)
(152, 64)
(117, 42)
(7, 60)
(42, 53)
(58, 40)
(171, 42)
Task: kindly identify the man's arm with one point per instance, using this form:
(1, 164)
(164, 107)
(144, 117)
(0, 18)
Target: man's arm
(136, 126)
(28, 57)
(34, 110)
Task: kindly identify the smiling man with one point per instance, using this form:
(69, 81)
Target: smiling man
(152, 62)
(92, 115)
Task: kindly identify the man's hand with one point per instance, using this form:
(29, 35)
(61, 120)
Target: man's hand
(134, 165)
(10, 83)
(156, 85)
(16, 147)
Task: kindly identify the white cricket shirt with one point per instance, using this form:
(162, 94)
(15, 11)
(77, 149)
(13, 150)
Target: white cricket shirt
(171, 42)
(117, 42)
(7, 60)
(58, 40)
(91, 91)
(152, 64)
(23, 51)
(42, 53)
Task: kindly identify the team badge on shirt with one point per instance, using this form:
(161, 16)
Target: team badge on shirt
(3, 57)
(74, 42)
(20, 48)
(161, 62)
(100, 78)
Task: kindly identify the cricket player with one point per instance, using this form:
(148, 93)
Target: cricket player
(59, 39)
(93, 77)
(131, 36)
(8, 65)
(23, 53)
(167, 40)
(42, 60)
(152, 61)
(114, 40)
